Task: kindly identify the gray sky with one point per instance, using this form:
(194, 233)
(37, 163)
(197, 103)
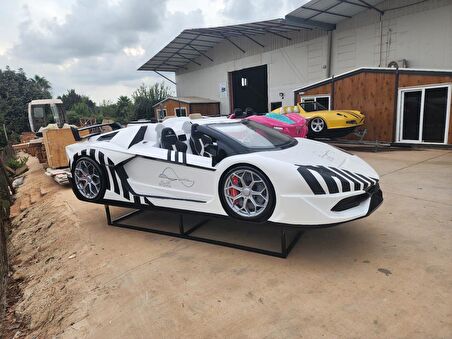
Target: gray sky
(97, 46)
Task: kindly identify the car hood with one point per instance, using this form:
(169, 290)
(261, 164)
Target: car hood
(309, 152)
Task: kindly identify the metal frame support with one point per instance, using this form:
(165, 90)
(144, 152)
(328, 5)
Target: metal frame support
(186, 233)
(163, 76)
(232, 42)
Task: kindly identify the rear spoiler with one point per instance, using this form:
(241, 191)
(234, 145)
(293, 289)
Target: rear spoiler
(93, 130)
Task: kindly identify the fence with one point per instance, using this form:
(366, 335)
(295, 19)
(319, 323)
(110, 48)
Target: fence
(5, 202)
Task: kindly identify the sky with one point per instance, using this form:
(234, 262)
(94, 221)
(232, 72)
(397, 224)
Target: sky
(96, 47)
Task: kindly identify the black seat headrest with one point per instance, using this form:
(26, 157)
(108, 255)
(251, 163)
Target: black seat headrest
(169, 140)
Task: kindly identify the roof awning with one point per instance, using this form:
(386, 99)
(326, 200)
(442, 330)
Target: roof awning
(191, 45)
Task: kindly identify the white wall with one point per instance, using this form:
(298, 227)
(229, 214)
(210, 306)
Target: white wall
(422, 34)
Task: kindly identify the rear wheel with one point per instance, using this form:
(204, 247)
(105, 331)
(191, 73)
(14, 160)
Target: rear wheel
(246, 193)
(89, 179)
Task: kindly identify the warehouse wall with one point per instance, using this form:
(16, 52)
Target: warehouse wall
(301, 60)
(420, 33)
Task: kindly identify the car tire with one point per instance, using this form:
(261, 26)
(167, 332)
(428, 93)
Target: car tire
(88, 179)
(317, 126)
(246, 193)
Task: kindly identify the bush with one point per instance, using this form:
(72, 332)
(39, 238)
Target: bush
(17, 162)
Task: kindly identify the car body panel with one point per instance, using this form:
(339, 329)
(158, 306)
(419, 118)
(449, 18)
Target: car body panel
(309, 178)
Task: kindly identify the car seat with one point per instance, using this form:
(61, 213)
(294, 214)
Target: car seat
(200, 143)
(169, 140)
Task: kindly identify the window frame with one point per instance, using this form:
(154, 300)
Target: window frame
(180, 108)
(314, 97)
(159, 111)
(400, 102)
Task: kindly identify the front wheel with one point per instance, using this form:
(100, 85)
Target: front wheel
(89, 179)
(317, 126)
(246, 193)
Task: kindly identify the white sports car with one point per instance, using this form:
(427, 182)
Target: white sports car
(223, 167)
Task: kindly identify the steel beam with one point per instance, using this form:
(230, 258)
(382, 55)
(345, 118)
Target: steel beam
(163, 76)
(313, 23)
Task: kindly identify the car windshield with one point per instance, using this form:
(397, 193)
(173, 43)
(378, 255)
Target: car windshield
(312, 106)
(253, 135)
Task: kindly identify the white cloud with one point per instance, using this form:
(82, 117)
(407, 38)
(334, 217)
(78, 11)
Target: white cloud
(97, 46)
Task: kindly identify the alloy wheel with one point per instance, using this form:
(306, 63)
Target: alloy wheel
(317, 125)
(87, 179)
(246, 193)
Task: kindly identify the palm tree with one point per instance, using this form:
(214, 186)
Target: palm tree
(42, 83)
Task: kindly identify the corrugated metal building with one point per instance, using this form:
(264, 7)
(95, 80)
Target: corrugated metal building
(261, 64)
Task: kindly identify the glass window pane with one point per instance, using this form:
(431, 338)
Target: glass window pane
(411, 115)
(435, 110)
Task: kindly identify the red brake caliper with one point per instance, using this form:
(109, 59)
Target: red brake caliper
(232, 191)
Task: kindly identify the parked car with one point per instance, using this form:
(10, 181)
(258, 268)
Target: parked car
(220, 166)
(292, 124)
(324, 122)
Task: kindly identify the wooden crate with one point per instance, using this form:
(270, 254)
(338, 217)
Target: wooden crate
(55, 142)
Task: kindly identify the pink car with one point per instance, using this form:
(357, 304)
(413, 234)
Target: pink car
(292, 124)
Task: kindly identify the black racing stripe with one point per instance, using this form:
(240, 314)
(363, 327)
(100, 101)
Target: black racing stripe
(365, 183)
(102, 162)
(365, 178)
(311, 180)
(168, 156)
(326, 175)
(139, 136)
(184, 158)
(92, 153)
(176, 157)
(101, 158)
(113, 176)
(83, 152)
(123, 178)
(136, 199)
(344, 182)
(356, 183)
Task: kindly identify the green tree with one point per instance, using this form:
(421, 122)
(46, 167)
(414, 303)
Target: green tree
(123, 109)
(145, 97)
(82, 109)
(71, 98)
(16, 91)
(42, 83)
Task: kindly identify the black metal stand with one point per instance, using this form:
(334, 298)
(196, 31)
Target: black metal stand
(187, 234)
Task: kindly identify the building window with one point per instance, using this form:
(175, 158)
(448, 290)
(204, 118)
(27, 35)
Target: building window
(161, 113)
(275, 105)
(423, 114)
(180, 111)
(316, 103)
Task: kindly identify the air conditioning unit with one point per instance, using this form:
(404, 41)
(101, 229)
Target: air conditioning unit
(402, 63)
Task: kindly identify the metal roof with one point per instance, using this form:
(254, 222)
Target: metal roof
(325, 13)
(191, 44)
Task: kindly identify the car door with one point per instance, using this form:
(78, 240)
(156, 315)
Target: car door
(166, 175)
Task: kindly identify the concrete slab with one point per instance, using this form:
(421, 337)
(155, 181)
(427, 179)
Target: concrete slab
(389, 275)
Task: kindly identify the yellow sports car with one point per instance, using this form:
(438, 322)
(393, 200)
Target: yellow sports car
(323, 122)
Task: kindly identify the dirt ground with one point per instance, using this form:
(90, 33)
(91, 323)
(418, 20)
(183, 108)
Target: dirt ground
(388, 275)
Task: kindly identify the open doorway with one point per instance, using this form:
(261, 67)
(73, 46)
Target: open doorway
(250, 89)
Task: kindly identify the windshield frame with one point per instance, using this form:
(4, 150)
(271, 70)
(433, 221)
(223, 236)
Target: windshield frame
(241, 148)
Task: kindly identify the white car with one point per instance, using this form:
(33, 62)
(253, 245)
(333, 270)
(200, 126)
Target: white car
(220, 166)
